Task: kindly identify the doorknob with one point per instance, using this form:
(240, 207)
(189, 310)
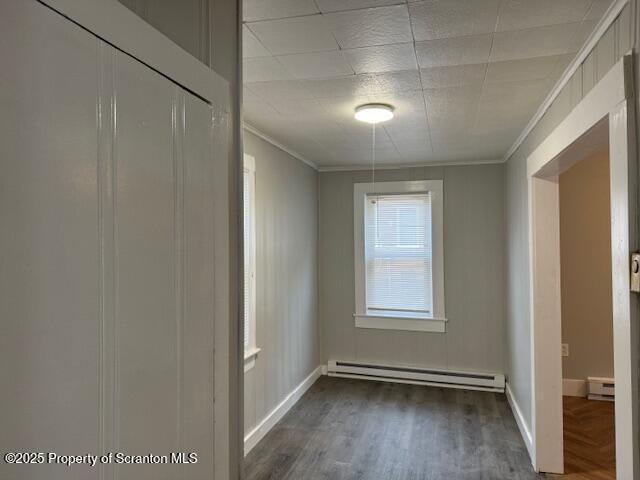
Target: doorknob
(635, 272)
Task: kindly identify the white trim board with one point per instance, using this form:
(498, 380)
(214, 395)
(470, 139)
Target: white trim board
(601, 28)
(117, 25)
(525, 431)
(572, 387)
(610, 106)
(397, 166)
(252, 438)
(275, 143)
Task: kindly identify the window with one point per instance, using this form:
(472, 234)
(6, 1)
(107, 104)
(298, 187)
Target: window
(249, 217)
(399, 255)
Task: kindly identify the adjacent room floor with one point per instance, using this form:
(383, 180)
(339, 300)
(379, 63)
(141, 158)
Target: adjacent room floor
(358, 429)
(589, 440)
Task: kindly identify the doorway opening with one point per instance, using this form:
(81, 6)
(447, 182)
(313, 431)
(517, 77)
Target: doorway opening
(587, 316)
(601, 124)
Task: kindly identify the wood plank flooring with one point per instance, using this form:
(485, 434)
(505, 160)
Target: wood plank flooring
(589, 440)
(344, 429)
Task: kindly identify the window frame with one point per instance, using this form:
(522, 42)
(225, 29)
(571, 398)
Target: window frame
(396, 320)
(251, 351)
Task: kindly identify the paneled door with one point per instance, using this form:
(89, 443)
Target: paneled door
(106, 245)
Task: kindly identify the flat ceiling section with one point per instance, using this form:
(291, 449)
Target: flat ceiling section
(465, 76)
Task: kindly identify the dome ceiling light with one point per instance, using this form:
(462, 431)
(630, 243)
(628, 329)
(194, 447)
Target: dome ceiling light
(374, 113)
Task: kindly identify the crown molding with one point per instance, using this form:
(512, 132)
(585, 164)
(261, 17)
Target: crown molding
(354, 168)
(601, 28)
(250, 128)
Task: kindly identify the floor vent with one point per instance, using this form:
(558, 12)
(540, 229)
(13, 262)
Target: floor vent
(490, 382)
(601, 389)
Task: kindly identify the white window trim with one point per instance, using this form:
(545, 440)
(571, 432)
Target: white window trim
(365, 319)
(252, 351)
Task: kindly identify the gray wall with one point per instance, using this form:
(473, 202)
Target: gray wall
(286, 278)
(474, 273)
(185, 22)
(616, 42)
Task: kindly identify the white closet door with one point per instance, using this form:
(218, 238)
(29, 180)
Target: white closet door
(106, 237)
(147, 268)
(50, 320)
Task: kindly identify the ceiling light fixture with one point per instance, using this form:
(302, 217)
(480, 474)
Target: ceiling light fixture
(374, 113)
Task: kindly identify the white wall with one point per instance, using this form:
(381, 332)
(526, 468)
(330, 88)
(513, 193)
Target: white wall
(286, 278)
(474, 273)
(615, 43)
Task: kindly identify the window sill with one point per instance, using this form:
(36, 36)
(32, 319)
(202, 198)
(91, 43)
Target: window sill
(399, 322)
(250, 358)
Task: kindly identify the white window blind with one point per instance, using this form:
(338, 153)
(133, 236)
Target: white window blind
(249, 261)
(398, 253)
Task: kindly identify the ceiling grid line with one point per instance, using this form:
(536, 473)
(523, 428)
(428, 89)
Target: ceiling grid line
(481, 71)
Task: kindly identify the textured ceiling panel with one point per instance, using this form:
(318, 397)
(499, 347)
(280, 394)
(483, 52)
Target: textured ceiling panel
(340, 5)
(317, 64)
(464, 76)
(253, 10)
(533, 42)
(295, 35)
(251, 46)
(371, 26)
(453, 76)
(452, 18)
(384, 58)
(454, 51)
(526, 69)
(521, 14)
(264, 69)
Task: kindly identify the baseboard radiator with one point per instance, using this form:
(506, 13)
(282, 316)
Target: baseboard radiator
(490, 382)
(601, 389)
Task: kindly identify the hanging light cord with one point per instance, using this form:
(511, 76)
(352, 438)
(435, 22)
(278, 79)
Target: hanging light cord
(373, 156)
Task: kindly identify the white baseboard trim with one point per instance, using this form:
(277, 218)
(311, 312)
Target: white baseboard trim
(522, 423)
(275, 415)
(572, 387)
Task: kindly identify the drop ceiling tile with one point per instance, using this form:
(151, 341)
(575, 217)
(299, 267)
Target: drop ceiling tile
(259, 114)
(454, 76)
(339, 5)
(317, 64)
(452, 108)
(358, 156)
(263, 69)
(521, 14)
(253, 10)
(454, 51)
(384, 58)
(251, 46)
(364, 85)
(452, 18)
(276, 91)
(295, 35)
(525, 69)
(372, 26)
(519, 96)
(534, 42)
(459, 98)
(467, 149)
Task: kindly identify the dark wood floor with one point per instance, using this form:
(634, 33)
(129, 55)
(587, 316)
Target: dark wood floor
(589, 440)
(357, 429)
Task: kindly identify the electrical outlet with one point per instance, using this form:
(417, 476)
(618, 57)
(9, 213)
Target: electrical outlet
(565, 349)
